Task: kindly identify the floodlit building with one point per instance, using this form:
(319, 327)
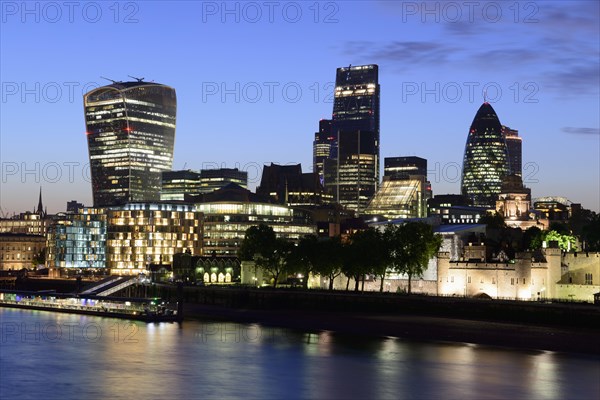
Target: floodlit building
(35, 222)
(140, 234)
(514, 205)
(78, 240)
(555, 208)
(230, 211)
(401, 198)
(19, 250)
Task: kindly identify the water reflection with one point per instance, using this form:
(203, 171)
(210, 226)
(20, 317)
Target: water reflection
(71, 356)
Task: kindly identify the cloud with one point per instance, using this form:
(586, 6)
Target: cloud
(576, 80)
(581, 131)
(409, 53)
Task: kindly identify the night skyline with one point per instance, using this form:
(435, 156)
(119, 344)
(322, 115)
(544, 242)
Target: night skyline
(228, 118)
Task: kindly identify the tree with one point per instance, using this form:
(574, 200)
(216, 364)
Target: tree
(559, 227)
(532, 238)
(494, 221)
(39, 258)
(305, 257)
(330, 260)
(267, 251)
(590, 234)
(586, 225)
(411, 247)
(350, 262)
(368, 251)
(565, 242)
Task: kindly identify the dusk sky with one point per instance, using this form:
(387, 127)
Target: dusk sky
(254, 78)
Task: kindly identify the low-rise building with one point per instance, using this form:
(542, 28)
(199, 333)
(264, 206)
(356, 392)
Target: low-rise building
(78, 240)
(20, 250)
(230, 211)
(140, 234)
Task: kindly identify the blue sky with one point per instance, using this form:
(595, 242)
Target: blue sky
(254, 78)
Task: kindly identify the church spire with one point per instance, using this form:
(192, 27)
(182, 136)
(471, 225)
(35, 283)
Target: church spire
(40, 208)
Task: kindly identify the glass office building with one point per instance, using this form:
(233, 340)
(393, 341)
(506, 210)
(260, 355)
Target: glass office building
(401, 198)
(226, 222)
(140, 234)
(322, 146)
(514, 150)
(485, 161)
(78, 240)
(401, 167)
(130, 129)
(352, 173)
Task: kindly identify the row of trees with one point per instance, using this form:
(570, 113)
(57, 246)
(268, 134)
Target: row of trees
(403, 249)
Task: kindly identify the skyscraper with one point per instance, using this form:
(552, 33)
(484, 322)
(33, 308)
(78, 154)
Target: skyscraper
(485, 162)
(322, 146)
(352, 172)
(130, 128)
(514, 149)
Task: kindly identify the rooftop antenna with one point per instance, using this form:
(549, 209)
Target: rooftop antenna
(485, 96)
(108, 79)
(137, 79)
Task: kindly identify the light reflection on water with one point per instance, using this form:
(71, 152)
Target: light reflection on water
(48, 355)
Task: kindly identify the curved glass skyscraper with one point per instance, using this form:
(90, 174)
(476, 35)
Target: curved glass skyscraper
(130, 128)
(486, 161)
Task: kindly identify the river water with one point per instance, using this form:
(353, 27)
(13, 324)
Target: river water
(45, 355)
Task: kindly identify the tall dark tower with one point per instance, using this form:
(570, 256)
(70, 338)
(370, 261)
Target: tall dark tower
(352, 172)
(485, 162)
(322, 146)
(514, 149)
(130, 128)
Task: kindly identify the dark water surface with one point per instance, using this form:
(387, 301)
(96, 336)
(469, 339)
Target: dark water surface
(45, 355)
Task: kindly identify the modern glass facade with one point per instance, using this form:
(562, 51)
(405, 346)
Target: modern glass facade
(322, 147)
(400, 167)
(130, 129)
(400, 198)
(78, 240)
(176, 184)
(225, 224)
(213, 179)
(139, 234)
(352, 173)
(514, 150)
(485, 161)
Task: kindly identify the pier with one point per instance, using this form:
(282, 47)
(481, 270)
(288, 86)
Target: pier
(140, 309)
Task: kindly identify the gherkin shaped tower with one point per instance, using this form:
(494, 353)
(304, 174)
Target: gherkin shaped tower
(486, 161)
